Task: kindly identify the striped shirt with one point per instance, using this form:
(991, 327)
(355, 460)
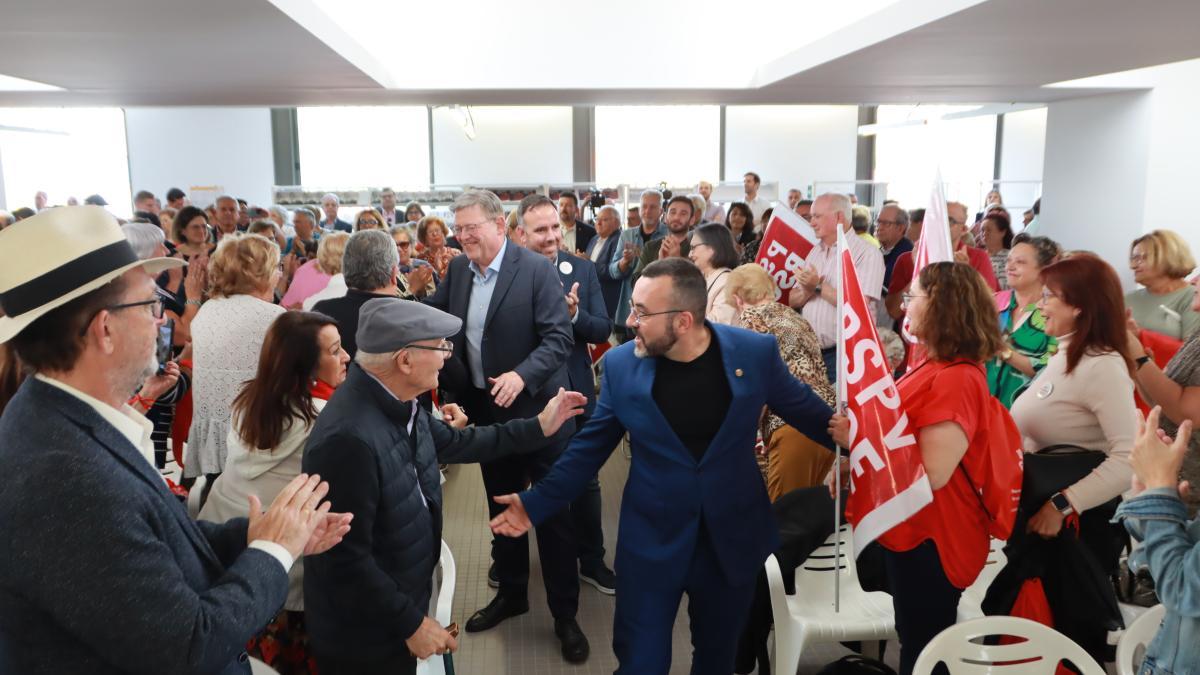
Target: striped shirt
(821, 314)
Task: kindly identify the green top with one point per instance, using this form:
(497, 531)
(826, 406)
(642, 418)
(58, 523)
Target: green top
(1147, 312)
(1029, 338)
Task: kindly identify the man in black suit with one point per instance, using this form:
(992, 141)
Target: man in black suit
(387, 206)
(590, 324)
(600, 250)
(509, 361)
(370, 265)
(330, 204)
(575, 233)
(105, 572)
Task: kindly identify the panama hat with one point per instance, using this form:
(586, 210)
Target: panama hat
(58, 255)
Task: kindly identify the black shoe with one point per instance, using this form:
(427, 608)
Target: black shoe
(602, 578)
(493, 576)
(575, 647)
(500, 608)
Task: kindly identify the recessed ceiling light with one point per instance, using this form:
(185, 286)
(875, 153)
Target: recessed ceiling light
(10, 83)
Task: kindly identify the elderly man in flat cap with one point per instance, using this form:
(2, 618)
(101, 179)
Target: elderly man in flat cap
(102, 571)
(365, 601)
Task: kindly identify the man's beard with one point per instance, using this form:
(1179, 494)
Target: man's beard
(658, 347)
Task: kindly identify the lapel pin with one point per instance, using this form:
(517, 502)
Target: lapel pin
(738, 372)
(566, 267)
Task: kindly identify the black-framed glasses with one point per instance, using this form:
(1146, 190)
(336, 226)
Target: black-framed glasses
(639, 316)
(156, 310)
(445, 346)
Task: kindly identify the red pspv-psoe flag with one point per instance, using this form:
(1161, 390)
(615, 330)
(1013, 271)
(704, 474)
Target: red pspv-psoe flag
(787, 241)
(887, 479)
(932, 246)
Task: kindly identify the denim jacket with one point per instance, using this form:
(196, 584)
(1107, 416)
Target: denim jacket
(1171, 548)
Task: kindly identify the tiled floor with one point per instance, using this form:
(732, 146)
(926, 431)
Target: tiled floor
(526, 645)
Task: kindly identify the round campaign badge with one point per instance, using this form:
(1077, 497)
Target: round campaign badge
(565, 267)
(1045, 390)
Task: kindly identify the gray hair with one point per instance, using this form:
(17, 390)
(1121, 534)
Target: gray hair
(369, 260)
(840, 202)
(282, 213)
(374, 363)
(651, 193)
(143, 237)
(307, 213)
(609, 208)
(484, 199)
(330, 195)
(901, 214)
(699, 204)
(225, 198)
(402, 227)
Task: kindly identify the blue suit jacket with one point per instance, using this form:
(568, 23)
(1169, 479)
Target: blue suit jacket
(591, 324)
(103, 571)
(610, 286)
(526, 330)
(668, 491)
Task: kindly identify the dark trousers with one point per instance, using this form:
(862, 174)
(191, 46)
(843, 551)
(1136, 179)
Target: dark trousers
(924, 600)
(829, 356)
(556, 536)
(586, 513)
(400, 665)
(646, 609)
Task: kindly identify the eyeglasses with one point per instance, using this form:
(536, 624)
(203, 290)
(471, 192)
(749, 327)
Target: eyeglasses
(368, 221)
(956, 221)
(638, 317)
(1047, 294)
(1136, 258)
(445, 346)
(156, 310)
(469, 228)
(907, 298)
(403, 244)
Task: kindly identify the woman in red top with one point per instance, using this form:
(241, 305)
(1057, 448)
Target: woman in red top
(937, 553)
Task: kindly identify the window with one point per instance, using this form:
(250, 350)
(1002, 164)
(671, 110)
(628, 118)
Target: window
(362, 147)
(64, 152)
(907, 157)
(646, 145)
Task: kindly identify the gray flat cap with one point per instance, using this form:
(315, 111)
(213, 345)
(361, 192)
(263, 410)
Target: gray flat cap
(386, 325)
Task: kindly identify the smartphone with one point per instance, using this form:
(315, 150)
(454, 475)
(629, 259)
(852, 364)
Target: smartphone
(166, 343)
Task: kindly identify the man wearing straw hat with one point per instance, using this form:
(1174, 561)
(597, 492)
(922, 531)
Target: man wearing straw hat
(103, 571)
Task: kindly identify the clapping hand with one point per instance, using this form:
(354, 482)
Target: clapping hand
(1156, 457)
(297, 519)
(196, 281)
(808, 278)
(669, 248)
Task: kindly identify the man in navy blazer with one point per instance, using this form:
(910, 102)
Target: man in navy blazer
(103, 570)
(608, 226)
(695, 517)
(542, 232)
(509, 360)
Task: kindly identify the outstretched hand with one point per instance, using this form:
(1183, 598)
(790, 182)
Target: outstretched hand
(513, 521)
(564, 406)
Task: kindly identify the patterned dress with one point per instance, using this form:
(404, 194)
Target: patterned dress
(1029, 338)
(1184, 370)
(440, 259)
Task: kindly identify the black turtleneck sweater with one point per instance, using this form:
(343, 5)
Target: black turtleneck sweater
(694, 397)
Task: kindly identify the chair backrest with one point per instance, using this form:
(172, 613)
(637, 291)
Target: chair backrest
(826, 560)
(445, 594)
(1131, 648)
(962, 648)
(259, 668)
(193, 500)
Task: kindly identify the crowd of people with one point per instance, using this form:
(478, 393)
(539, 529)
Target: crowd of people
(329, 367)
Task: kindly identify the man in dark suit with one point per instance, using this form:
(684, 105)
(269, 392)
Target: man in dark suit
(105, 572)
(370, 265)
(601, 250)
(511, 359)
(576, 233)
(590, 323)
(695, 517)
(387, 207)
(329, 205)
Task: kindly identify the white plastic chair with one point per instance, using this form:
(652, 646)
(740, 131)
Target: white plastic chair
(1131, 648)
(962, 649)
(970, 605)
(259, 668)
(440, 602)
(808, 616)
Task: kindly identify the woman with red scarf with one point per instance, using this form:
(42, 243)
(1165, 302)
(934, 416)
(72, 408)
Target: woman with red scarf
(301, 363)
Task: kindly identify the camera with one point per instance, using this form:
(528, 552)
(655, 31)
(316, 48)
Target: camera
(595, 199)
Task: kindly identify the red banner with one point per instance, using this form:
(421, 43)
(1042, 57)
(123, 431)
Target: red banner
(888, 482)
(786, 243)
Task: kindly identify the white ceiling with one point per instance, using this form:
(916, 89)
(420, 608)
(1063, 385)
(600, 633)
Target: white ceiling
(251, 52)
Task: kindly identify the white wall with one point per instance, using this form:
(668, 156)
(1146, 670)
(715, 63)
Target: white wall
(512, 145)
(1173, 175)
(186, 147)
(1095, 173)
(1022, 155)
(793, 144)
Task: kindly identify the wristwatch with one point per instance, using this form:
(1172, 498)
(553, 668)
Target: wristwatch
(1059, 500)
(194, 303)
(1006, 354)
(1141, 361)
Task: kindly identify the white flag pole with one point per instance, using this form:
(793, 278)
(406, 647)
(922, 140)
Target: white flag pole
(841, 404)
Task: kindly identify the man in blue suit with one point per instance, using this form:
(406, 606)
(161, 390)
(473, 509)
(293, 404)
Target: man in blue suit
(541, 229)
(695, 517)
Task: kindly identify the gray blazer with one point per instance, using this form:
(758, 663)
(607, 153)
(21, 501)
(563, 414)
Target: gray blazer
(102, 571)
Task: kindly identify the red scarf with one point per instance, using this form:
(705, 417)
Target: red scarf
(321, 390)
